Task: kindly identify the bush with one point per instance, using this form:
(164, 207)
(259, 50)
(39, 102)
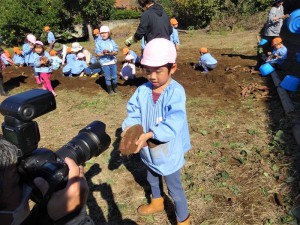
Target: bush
(121, 14)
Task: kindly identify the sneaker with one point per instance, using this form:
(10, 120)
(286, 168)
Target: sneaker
(82, 74)
(205, 71)
(95, 75)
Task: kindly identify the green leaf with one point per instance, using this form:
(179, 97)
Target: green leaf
(208, 198)
(203, 132)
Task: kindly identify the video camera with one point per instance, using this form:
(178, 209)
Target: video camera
(18, 128)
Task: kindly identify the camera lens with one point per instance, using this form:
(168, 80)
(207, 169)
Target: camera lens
(90, 141)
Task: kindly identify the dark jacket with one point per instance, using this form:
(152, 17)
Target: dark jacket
(154, 24)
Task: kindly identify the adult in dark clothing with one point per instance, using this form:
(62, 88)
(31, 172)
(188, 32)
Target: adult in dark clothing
(154, 23)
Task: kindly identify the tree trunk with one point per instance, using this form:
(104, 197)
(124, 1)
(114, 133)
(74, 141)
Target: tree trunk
(90, 32)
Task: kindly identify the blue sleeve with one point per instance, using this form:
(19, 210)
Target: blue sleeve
(115, 46)
(175, 37)
(36, 60)
(133, 111)
(26, 49)
(98, 49)
(51, 37)
(174, 119)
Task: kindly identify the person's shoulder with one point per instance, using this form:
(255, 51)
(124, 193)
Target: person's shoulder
(174, 85)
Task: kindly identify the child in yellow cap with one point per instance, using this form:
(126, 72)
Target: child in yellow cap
(174, 36)
(50, 37)
(127, 51)
(18, 57)
(56, 61)
(206, 61)
(97, 36)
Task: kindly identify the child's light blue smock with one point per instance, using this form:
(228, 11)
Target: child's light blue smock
(56, 62)
(167, 120)
(135, 56)
(109, 45)
(18, 59)
(174, 37)
(38, 68)
(50, 37)
(282, 52)
(78, 66)
(208, 59)
(28, 54)
(70, 57)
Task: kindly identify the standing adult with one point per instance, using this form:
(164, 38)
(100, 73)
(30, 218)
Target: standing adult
(274, 22)
(50, 37)
(154, 23)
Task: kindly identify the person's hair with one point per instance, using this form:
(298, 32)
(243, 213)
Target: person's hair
(8, 158)
(169, 66)
(43, 47)
(143, 3)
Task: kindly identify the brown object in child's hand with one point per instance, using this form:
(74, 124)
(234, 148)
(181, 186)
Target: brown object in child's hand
(44, 61)
(127, 145)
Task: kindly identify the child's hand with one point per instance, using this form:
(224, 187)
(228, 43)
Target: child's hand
(130, 136)
(44, 60)
(142, 141)
(269, 53)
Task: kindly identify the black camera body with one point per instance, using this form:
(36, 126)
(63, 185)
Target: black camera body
(18, 128)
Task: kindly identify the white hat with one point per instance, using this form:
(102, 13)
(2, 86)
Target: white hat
(159, 52)
(80, 55)
(39, 43)
(104, 29)
(129, 57)
(31, 38)
(76, 47)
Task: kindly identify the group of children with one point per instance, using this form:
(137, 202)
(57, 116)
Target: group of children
(78, 61)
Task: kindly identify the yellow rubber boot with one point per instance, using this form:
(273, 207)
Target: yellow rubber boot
(186, 222)
(156, 205)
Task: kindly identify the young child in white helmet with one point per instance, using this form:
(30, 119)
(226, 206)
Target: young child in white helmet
(128, 69)
(107, 49)
(159, 107)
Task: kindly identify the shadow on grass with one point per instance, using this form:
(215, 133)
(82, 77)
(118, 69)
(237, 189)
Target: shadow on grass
(15, 82)
(105, 191)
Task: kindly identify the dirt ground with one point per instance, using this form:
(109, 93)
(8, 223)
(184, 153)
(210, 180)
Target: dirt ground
(236, 173)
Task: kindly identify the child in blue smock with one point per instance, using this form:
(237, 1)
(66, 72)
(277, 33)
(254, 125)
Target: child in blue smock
(71, 56)
(174, 36)
(77, 67)
(56, 61)
(107, 50)
(97, 36)
(18, 57)
(127, 51)
(42, 66)
(279, 54)
(50, 37)
(27, 50)
(206, 62)
(159, 107)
